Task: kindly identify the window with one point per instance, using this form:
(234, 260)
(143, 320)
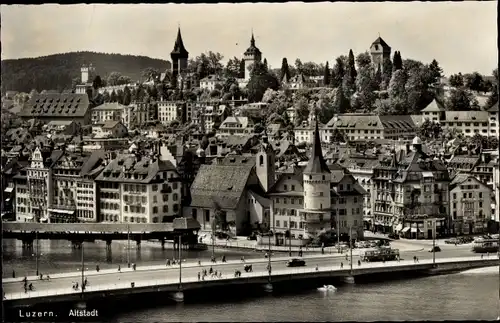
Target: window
(480, 195)
(480, 204)
(155, 209)
(155, 188)
(355, 200)
(155, 199)
(454, 196)
(341, 187)
(175, 197)
(207, 215)
(285, 201)
(293, 189)
(261, 160)
(174, 185)
(277, 223)
(176, 208)
(285, 224)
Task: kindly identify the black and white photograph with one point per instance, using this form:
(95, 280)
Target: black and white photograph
(250, 162)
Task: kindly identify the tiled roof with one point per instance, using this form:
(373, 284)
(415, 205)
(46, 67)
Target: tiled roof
(243, 121)
(265, 202)
(56, 105)
(356, 121)
(470, 160)
(110, 124)
(494, 108)
(397, 122)
(380, 41)
(219, 184)
(109, 106)
(236, 160)
(434, 106)
(59, 123)
(124, 168)
(466, 116)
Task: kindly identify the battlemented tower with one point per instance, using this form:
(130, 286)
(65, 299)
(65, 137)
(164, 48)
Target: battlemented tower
(379, 52)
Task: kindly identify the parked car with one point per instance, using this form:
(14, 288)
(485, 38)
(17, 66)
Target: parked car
(394, 236)
(435, 249)
(295, 262)
(451, 241)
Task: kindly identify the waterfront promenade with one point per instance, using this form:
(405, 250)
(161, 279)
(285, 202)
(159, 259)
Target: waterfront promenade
(168, 279)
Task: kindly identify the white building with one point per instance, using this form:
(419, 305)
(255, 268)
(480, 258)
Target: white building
(134, 116)
(112, 111)
(236, 126)
(210, 82)
(493, 121)
(169, 111)
(139, 189)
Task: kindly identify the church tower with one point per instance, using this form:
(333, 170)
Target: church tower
(316, 178)
(266, 164)
(250, 57)
(380, 51)
(179, 56)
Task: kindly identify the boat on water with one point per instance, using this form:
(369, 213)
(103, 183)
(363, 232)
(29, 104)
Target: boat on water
(327, 288)
(485, 245)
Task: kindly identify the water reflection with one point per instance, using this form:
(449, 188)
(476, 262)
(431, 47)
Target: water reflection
(60, 256)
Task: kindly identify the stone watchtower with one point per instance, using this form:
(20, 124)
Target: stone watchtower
(317, 178)
(379, 52)
(179, 56)
(88, 73)
(251, 56)
(265, 164)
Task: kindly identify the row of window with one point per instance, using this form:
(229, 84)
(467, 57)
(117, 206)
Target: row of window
(88, 214)
(109, 195)
(468, 205)
(285, 200)
(110, 206)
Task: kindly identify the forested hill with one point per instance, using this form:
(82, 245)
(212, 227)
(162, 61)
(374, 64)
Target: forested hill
(56, 72)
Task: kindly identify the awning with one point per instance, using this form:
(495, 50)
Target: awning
(29, 217)
(427, 174)
(399, 227)
(7, 200)
(414, 230)
(416, 186)
(62, 211)
(9, 189)
(405, 229)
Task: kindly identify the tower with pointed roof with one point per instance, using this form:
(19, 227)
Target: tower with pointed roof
(379, 52)
(265, 164)
(179, 56)
(317, 196)
(250, 57)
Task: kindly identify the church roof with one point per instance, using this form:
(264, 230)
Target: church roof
(252, 50)
(316, 163)
(179, 48)
(434, 106)
(381, 42)
(494, 108)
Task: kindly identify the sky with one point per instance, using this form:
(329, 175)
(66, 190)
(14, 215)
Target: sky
(461, 36)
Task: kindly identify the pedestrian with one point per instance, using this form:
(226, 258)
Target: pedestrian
(199, 276)
(13, 274)
(417, 259)
(220, 274)
(341, 265)
(97, 268)
(359, 262)
(41, 276)
(481, 256)
(414, 259)
(119, 268)
(199, 262)
(322, 250)
(134, 266)
(346, 258)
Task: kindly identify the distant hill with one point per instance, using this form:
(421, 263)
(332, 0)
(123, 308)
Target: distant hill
(56, 72)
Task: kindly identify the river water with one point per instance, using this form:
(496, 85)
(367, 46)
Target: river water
(465, 296)
(472, 295)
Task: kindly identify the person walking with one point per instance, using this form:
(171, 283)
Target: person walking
(341, 265)
(13, 274)
(199, 276)
(119, 268)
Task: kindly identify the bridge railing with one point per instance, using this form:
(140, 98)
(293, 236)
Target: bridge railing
(310, 268)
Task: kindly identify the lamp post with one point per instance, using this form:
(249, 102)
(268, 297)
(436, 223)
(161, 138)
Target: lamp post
(289, 236)
(36, 252)
(350, 244)
(83, 271)
(128, 245)
(213, 238)
(434, 243)
(269, 257)
(338, 232)
(180, 262)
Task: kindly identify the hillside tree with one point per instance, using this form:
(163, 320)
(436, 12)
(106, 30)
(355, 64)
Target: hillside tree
(339, 71)
(363, 59)
(461, 99)
(456, 80)
(436, 71)
(326, 75)
(260, 81)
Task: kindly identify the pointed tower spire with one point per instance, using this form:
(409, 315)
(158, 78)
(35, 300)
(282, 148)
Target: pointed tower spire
(252, 41)
(316, 163)
(179, 48)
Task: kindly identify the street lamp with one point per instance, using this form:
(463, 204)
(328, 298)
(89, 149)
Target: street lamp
(180, 262)
(434, 244)
(83, 270)
(338, 231)
(290, 236)
(350, 244)
(36, 252)
(128, 245)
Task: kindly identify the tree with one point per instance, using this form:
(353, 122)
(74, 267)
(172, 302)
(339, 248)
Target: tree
(363, 59)
(113, 97)
(365, 85)
(265, 64)
(492, 98)
(397, 62)
(105, 97)
(285, 71)
(456, 80)
(461, 100)
(418, 88)
(474, 81)
(351, 66)
(242, 68)
(113, 78)
(124, 80)
(341, 104)
(348, 85)
(301, 110)
(150, 73)
(386, 74)
(326, 75)
(232, 69)
(127, 96)
(97, 83)
(397, 92)
(260, 81)
(436, 71)
(429, 130)
(339, 71)
(298, 65)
